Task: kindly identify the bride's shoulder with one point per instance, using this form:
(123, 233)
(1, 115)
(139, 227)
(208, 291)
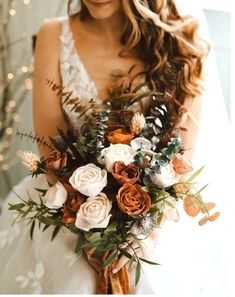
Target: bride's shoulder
(48, 36)
(50, 29)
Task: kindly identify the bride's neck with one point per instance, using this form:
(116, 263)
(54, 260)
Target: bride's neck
(111, 27)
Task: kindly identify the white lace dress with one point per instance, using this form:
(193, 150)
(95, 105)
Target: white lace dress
(41, 266)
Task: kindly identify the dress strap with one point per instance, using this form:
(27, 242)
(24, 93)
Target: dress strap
(65, 30)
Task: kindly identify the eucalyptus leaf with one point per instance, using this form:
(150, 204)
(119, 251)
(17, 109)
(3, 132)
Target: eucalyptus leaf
(125, 253)
(149, 262)
(55, 232)
(137, 273)
(160, 217)
(169, 204)
(93, 236)
(16, 206)
(195, 174)
(45, 227)
(111, 228)
(110, 258)
(80, 243)
(32, 229)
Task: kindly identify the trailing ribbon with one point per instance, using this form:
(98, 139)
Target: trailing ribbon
(107, 281)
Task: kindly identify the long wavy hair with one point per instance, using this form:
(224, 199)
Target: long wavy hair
(168, 43)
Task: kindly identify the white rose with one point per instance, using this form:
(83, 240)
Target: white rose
(94, 213)
(116, 152)
(55, 196)
(89, 179)
(170, 211)
(166, 178)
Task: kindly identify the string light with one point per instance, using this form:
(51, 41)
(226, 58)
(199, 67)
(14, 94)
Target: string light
(28, 84)
(12, 12)
(10, 75)
(12, 103)
(24, 69)
(26, 2)
(9, 131)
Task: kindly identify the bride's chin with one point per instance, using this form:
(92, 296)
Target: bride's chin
(101, 10)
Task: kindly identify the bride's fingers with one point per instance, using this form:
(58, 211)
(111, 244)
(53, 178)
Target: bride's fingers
(123, 259)
(121, 262)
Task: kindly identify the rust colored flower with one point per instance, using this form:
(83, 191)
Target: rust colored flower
(119, 136)
(181, 164)
(133, 200)
(71, 207)
(125, 173)
(56, 161)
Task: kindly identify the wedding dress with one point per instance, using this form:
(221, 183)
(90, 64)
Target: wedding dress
(196, 262)
(41, 266)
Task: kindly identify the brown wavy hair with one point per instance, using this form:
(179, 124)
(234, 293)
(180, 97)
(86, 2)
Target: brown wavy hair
(167, 42)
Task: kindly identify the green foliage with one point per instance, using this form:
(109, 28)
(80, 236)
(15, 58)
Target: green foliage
(32, 212)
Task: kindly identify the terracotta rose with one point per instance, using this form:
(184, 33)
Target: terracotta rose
(56, 161)
(133, 200)
(125, 173)
(120, 136)
(72, 205)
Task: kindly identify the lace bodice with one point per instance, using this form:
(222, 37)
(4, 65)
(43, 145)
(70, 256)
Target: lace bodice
(75, 77)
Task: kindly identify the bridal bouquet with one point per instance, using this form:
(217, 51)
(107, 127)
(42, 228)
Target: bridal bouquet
(118, 178)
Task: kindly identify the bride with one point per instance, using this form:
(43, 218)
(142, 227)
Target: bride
(82, 52)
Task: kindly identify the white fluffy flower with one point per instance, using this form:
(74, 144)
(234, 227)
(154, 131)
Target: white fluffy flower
(30, 160)
(55, 196)
(137, 123)
(166, 178)
(170, 211)
(116, 152)
(94, 213)
(89, 179)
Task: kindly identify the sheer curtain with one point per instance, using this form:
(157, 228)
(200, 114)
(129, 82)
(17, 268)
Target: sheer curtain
(199, 261)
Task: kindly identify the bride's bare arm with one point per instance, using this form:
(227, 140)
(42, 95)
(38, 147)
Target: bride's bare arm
(47, 108)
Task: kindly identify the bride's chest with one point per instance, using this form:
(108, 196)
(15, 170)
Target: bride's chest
(104, 66)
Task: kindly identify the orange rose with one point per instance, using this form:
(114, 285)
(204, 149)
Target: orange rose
(56, 161)
(71, 207)
(125, 173)
(120, 136)
(180, 164)
(133, 200)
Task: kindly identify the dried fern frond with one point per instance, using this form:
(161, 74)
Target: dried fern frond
(68, 99)
(34, 138)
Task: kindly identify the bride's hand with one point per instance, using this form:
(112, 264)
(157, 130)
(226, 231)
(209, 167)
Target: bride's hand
(147, 247)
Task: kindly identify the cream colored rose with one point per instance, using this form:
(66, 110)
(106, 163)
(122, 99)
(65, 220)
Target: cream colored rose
(116, 152)
(170, 211)
(166, 178)
(55, 196)
(94, 213)
(89, 180)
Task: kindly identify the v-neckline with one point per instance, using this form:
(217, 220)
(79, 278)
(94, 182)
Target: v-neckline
(76, 52)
